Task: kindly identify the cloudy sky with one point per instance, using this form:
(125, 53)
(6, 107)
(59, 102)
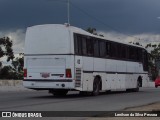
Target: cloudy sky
(127, 20)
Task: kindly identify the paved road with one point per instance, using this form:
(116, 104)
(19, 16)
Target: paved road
(42, 101)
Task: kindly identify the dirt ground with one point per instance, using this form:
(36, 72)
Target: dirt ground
(149, 107)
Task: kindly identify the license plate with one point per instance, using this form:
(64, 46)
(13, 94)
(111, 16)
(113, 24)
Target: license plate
(45, 75)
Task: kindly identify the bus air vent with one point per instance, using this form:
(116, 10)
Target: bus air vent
(78, 77)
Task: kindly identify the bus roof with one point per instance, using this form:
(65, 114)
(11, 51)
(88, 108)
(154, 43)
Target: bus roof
(81, 31)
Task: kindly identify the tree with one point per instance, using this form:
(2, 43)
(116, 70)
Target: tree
(6, 49)
(17, 66)
(155, 52)
(5, 72)
(154, 55)
(93, 31)
(13, 71)
(148, 45)
(136, 43)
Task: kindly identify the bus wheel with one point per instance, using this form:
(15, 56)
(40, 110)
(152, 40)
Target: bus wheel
(59, 92)
(96, 86)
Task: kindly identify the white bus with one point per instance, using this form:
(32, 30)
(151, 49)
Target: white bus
(60, 58)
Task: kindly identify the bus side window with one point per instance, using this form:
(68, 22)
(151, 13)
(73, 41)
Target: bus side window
(137, 54)
(124, 51)
(84, 46)
(113, 50)
(145, 60)
(78, 44)
(89, 45)
(102, 49)
(131, 53)
(96, 48)
(108, 49)
(119, 51)
(140, 54)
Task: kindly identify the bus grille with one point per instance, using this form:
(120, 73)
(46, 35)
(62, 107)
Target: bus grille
(78, 77)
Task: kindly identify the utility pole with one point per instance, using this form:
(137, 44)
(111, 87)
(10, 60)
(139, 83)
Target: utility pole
(68, 10)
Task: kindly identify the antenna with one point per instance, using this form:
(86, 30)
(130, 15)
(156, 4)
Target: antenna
(68, 10)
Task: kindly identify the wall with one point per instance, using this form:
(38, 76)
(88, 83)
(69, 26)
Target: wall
(11, 82)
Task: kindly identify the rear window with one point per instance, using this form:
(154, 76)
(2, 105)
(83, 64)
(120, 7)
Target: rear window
(47, 40)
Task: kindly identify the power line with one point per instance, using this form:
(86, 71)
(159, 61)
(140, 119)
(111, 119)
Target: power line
(62, 1)
(95, 18)
(98, 20)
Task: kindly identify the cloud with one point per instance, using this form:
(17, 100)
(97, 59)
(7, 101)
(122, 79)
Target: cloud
(158, 17)
(143, 39)
(17, 36)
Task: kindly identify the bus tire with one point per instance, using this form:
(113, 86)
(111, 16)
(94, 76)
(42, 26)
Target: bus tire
(137, 87)
(134, 89)
(96, 86)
